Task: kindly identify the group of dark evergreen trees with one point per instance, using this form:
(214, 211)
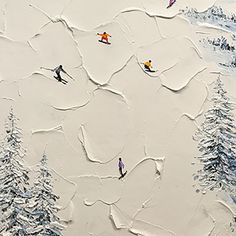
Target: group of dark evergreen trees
(25, 209)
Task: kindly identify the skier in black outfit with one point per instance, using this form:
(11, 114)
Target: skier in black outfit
(58, 70)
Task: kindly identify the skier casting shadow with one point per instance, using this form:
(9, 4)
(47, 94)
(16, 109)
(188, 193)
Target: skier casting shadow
(104, 38)
(58, 71)
(121, 167)
(148, 66)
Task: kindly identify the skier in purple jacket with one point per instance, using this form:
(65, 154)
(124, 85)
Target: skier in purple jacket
(121, 166)
(171, 2)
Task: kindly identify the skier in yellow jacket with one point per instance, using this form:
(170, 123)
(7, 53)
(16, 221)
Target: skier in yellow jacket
(148, 65)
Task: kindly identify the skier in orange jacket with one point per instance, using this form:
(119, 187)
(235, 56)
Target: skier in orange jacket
(104, 37)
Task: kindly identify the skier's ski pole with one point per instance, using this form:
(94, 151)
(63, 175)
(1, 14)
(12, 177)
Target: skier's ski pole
(46, 68)
(69, 76)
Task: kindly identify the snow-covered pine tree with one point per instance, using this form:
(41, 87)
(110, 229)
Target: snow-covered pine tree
(14, 179)
(217, 142)
(44, 209)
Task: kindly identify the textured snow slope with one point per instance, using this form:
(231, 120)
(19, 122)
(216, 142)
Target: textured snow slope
(113, 108)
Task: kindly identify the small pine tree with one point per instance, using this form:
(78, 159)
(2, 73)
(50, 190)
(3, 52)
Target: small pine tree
(44, 208)
(217, 137)
(13, 182)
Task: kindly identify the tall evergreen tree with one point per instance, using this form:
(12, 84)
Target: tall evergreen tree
(217, 142)
(44, 208)
(13, 182)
